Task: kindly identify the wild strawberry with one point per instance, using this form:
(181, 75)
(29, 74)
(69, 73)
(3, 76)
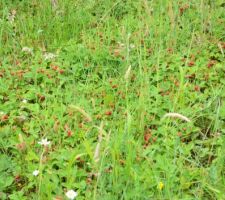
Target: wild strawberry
(170, 50)
(58, 198)
(21, 146)
(211, 63)
(61, 71)
(167, 92)
(197, 88)
(181, 10)
(88, 180)
(114, 86)
(176, 83)
(41, 97)
(55, 67)
(17, 178)
(17, 62)
(179, 134)
(116, 52)
(12, 73)
(191, 63)
(4, 118)
(108, 113)
(147, 137)
(69, 133)
(81, 125)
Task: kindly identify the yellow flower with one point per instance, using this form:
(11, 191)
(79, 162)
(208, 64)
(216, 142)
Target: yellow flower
(160, 185)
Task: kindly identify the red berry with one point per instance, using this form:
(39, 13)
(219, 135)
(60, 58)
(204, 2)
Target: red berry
(179, 134)
(69, 133)
(42, 98)
(81, 125)
(61, 71)
(197, 88)
(211, 63)
(114, 86)
(108, 113)
(55, 68)
(191, 63)
(4, 118)
(147, 136)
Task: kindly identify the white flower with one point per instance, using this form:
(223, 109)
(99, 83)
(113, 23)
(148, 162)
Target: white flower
(35, 172)
(49, 56)
(27, 50)
(44, 142)
(24, 100)
(132, 46)
(2, 113)
(71, 194)
(121, 44)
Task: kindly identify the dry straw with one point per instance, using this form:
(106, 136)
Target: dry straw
(97, 149)
(127, 74)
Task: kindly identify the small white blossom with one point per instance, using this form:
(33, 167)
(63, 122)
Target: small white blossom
(24, 100)
(71, 194)
(2, 113)
(132, 46)
(44, 142)
(121, 44)
(35, 172)
(27, 50)
(49, 56)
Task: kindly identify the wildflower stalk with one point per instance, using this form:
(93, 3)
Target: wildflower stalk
(177, 115)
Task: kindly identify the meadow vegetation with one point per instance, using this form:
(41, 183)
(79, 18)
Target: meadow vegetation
(87, 89)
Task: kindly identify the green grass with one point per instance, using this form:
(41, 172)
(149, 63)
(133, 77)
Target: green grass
(120, 66)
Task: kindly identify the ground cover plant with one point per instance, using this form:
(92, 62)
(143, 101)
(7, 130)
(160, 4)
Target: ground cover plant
(112, 99)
